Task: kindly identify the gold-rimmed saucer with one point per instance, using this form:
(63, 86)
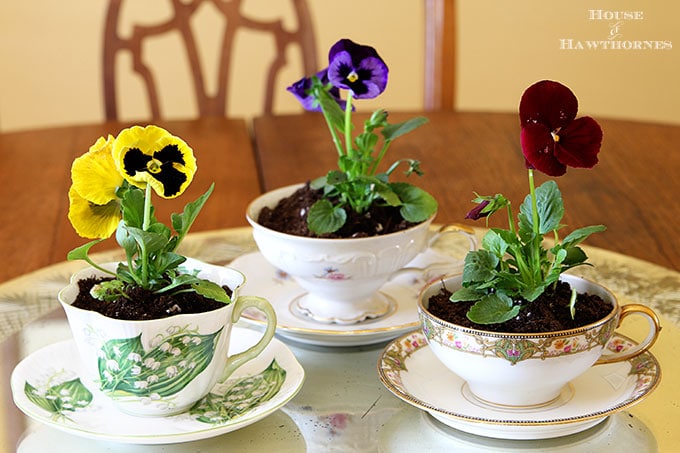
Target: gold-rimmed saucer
(409, 369)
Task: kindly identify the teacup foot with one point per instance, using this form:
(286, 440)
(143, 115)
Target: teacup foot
(327, 311)
(528, 402)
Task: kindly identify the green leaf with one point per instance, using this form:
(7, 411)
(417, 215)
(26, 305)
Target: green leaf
(494, 243)
(152, 242)
(581, 234)
(466, 295)
(82, 252)
(331, 108)
(335, 177)
(211, 290)
(574, 256)
(132, 207)
(480, 266)
(416, 204)
(493, 309)
(318, 183)
(387, 194)
(182, 222)
(393, 131)
(323, 217)
(549, 206)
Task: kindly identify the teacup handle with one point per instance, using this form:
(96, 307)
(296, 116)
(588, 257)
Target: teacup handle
(441, 232)
(458, 229)
(654, 329)
(241, 304)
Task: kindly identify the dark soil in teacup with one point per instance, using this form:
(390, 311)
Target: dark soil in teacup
(549, 313)
(290, 216)
(139, 304)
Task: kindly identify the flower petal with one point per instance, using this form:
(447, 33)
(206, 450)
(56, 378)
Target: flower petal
(579, 143)
(538, 147)
(548, 103)
(151, 155)
(476, 212)
(302, 92)
(94, 174)
(90, 220)
(357, 68)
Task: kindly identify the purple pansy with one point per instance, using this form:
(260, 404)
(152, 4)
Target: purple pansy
(476, 212)
(301, 91)
(357, 68)
(552, 139)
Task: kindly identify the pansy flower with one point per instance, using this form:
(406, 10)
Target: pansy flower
(94, 208)
(552, 139)
(90, 220)
(152, 156)
(357, 68)
(302, 92)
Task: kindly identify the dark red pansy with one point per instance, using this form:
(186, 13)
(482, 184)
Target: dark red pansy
(552, 139)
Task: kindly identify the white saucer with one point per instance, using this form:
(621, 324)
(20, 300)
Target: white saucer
(263, 279)
(55, 367)
(410, 370)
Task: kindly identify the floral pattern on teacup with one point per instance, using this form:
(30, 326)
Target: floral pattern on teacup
(514, 348)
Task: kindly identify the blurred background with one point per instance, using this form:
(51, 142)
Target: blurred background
(51, 55)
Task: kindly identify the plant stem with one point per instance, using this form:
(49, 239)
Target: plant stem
(334, 134)
(145, 226)
(348, 124)
(536, 227)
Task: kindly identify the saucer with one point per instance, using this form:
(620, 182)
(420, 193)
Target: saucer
(46, 387)
(410, 370)
(264, 280)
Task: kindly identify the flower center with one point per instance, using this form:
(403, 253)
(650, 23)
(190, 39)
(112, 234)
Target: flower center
(353, 76)
(154, 166)
(555, 137)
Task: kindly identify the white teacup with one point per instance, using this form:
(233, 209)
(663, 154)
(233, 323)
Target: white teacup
(516, 369)
(342, 277)
(162, 366)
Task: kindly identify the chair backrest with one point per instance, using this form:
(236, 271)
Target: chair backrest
(440, 54)
(179, 22)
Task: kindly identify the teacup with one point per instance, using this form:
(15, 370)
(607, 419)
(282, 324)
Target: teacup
(342, 277)
(162, 366)
(532, 369)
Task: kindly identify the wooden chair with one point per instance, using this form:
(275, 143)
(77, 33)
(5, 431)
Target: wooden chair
(440, 54)
(302, 36)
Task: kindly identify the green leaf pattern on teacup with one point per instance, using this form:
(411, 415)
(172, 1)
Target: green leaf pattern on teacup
(61, 398)
(240, 396)
(126, 369)
(515, 350)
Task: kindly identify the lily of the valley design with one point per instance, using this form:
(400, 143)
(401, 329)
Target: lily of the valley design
(63, 398)
(127, 370)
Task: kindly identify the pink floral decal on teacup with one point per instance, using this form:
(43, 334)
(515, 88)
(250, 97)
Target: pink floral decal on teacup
(332, 273)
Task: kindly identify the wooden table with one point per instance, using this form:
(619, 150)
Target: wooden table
(35, 175)
(633, 190)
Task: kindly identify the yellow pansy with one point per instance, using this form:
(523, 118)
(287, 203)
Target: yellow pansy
(94, 174)
(151, 155)
(90, 220)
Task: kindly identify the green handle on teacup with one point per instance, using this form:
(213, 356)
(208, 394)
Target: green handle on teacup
(242, 303)
(654, 329)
